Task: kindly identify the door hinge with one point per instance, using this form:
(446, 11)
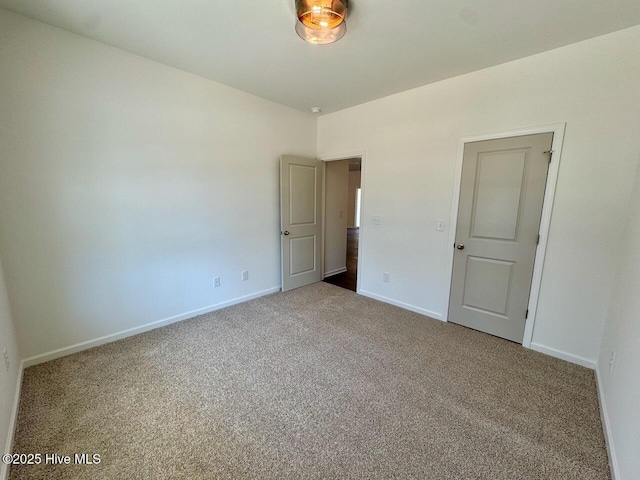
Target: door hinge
(526, 315)
(550, 152)
(538, 240)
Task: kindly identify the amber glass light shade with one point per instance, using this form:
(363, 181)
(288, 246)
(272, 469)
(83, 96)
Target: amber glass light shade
(321, 21)
(320, 36)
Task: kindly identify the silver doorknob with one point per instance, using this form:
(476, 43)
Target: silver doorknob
(460, 246)
(286, 232)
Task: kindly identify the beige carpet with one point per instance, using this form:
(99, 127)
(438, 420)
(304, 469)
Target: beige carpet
(314, 383)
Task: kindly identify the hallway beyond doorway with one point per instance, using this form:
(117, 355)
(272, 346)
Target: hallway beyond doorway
(349, 278)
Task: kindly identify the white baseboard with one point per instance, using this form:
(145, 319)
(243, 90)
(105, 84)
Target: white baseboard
(13, 422)
(606, 427)
(78, 347)
(406, 306)
(335, 272)
(585, 362)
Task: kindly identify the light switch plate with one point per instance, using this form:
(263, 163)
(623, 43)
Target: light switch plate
(440, 226)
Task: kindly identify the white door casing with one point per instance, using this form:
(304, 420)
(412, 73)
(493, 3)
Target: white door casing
(300, 221)
(361, 154)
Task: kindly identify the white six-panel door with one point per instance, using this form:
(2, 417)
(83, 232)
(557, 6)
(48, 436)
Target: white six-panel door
(300, 221)
(501, 196)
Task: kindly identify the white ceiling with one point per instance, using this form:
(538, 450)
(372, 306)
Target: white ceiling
(390, 46)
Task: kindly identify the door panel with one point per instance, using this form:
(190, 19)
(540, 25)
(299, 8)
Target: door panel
(501, 195)
(302, 253)
(300, 220)
(302, 196)
(486, 286)
(498, 190)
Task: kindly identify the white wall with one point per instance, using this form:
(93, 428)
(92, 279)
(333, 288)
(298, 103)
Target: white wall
(335, 238)
(411, 142)
(620, 387)
(127, 185)
(8, 379)
(354, 185)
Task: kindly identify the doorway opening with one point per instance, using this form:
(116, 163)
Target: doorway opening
(343, 197)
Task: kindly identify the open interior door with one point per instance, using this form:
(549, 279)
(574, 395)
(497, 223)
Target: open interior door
(300, 221)
(501, 198)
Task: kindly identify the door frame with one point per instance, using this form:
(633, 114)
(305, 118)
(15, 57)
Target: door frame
(547, 209)
(361, 154)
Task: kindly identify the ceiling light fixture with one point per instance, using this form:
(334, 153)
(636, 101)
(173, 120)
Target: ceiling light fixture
(321, 21)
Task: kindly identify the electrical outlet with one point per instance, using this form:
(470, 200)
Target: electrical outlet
(376, 219)
(245, 275)
(385, 277)
(216, 282)
(7, 362)
(612, 359)
(340, 213)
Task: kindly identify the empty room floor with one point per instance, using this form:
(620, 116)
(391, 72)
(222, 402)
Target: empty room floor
(317, 382)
